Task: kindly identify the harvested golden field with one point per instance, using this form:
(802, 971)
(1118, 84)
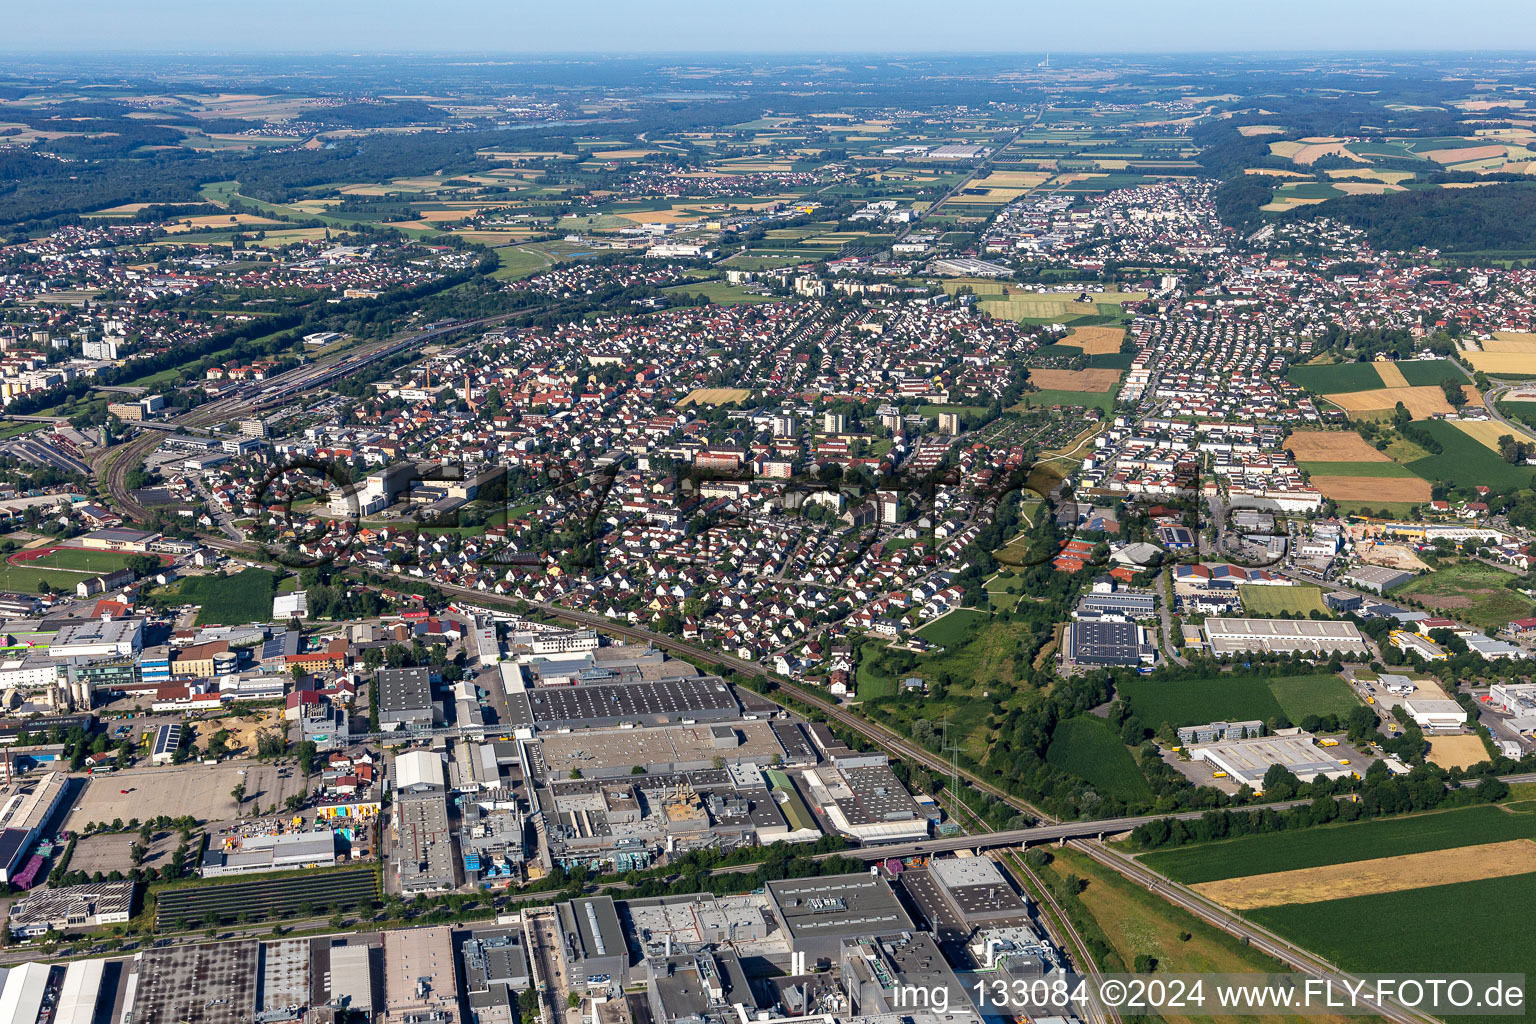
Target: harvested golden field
(663, 216)
(1381, 874)
(623, 154)
(1332, 446)
(1369, 174)
(1372, 488)
(1488, 432)
(1420, 401)
(1095, 341)
(1272, 172)
(1250, 130)
(713, 396)
(1097, 380)
(221, 220)
(1457, 751)
(1502, 362)
(1511, 341)
(1461, 156)
(1013, 179)
(1390, 375)
(1366, 188)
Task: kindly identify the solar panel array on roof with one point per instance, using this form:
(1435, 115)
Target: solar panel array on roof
(663, 700)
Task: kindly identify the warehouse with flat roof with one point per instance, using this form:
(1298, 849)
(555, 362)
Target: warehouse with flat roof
(700, 699)
(1246, 761)
(1283, 636)
(817, 914)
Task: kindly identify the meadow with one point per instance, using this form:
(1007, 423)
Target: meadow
(231, 600)
(1232, 698)
(1335, 378)
(1470, 591)
(1088, 747)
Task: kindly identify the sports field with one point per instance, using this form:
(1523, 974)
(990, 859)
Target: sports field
(80, 560)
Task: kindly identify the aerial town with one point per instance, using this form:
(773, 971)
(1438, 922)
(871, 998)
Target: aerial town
(667, 543)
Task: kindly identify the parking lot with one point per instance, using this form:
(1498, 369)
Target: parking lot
(113, 852)
(201, 790)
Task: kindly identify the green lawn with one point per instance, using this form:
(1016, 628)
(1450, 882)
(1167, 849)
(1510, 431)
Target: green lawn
(11, 430)
(869, 681)
(1467, 463)
(1301, 601)
(952, 630)
(1337, 378)
(1470, 591)
(1342, 844)
(26, 579)
(1089, 748)
(718, 292)
(1198, 701)
(518, 262)
(231, 600)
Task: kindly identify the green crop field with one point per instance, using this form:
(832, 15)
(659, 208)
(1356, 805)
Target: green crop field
(1231, 698)
(1300, 696)
(1388, 470)
(1420, 372)
(1467, 463)
(1471, 591)
(1336, 379)
(231, 600)
(1088, 747)
(1104, 400)
(1465, 927)
(1266, 600)
(952, 629)
(1343, 844)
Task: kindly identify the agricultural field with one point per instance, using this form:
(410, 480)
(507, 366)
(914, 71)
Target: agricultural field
(1488, 432)
(713, 396)
(1383, 482)
(1470, 591)
(1423, 372)
(1232, 698)
(231, 600)
(1088, 747)
(1134, 922)
(1345, 843)
(1098, 381)
(1292, 601)
(1332, 446)
(1465, 462)
(1045, 398)
(1336, 378)
(1421, 401)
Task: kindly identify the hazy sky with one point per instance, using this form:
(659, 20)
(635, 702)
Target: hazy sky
(799, 26)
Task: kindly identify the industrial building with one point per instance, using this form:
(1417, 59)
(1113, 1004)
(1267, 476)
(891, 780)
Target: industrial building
(863, 799)
(98, 638)
(1283, 636)
(495, 974)
(405, 699)
(1105, 644)
(77, 906)
(1376, 578)
(245, 855)
(420, 981)
(423, 843)
(607, 705)
(883, 971)
(211, 983)
(27, 809)
(351, 979)
(21, 998)
(818, 914)
(593, 942)
(1215, 732)
(1246, 761)
(167, 743)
